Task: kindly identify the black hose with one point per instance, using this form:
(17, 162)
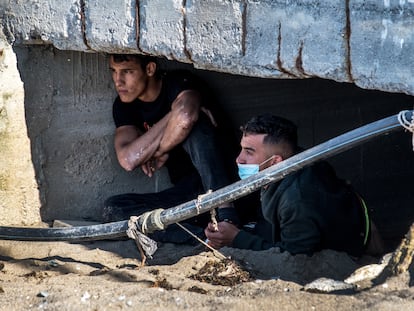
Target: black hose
(81, 233)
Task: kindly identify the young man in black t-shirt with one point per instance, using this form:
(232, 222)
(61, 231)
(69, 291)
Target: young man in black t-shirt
(162, 120)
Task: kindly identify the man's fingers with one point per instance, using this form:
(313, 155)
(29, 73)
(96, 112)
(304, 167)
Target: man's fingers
(212, 227)
(159, 161)
(213, 244)
(212, 241)
(146, 168)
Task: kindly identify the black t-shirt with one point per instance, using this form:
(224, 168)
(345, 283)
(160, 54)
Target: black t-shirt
(143, 115)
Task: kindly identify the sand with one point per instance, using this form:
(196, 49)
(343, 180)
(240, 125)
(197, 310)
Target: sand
(107, 275)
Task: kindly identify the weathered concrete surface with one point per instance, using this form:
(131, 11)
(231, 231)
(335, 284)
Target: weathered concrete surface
(41, 22)
(382, 44)
(109, 24)
(212, 25)
(156, 15)
(369, 43)
(19, 195)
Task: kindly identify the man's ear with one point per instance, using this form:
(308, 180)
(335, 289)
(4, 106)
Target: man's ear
(276, 159)
(151, 69)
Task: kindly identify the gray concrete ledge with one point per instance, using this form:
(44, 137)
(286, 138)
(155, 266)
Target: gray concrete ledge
(366, 42)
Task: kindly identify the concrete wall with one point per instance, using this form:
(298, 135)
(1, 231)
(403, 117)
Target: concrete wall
(19, 198)
(366, 42)
(244, 49)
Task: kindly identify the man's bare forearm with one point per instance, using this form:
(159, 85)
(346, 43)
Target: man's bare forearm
(184, 114)
(138, 151)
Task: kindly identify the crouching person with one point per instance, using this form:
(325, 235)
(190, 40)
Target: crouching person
(307, 211)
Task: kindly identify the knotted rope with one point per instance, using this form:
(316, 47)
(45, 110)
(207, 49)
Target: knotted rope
(155, 217)
(407, 124)
(200, 200)
(146, 245)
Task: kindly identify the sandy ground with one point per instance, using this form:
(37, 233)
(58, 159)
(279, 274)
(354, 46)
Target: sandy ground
(107, 275)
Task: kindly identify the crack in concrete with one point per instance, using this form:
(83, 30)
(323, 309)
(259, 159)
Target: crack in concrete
(83, 24)
(137, 21)
(279, 46)
(185, 50)
(244, 28)
(298, 62)
(347, 37)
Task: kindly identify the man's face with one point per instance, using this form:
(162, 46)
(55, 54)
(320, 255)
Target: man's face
(130, 80)
(253, 151)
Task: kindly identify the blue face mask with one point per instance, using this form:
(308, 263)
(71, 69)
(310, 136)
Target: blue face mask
(247, 170)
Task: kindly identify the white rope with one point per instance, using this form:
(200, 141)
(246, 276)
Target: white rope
(213, 219)
(407, 124)
(215, 252)
(146, 246)
(199, 199)
(154, 216)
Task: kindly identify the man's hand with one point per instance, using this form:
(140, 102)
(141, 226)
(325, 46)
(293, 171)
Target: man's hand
(148, 168)
(154, 164)
(223, 237)
(228, 214)
(160, 161)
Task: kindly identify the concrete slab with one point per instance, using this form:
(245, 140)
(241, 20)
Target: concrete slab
(312, 38)
(382, 43)
(56, 22)
(110, 26)
(162, 28)
(214, 34)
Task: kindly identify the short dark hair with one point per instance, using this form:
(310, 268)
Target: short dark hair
(141, 59)
(277, 129)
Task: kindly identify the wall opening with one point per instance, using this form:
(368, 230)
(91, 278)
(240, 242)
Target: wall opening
(68, 102)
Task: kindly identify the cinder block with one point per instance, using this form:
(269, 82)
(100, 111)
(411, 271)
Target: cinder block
(305, 37)
(56, 22)
(161, 28)
(110, 26)
(214, 33)
(269, 38)
(382, 44)
(262, 39)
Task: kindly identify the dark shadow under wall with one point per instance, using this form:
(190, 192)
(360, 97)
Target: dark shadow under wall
(68, 113)
(380, 169)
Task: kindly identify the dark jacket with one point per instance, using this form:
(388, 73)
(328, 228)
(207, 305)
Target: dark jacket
(310, 210)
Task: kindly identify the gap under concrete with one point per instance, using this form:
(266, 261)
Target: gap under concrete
(68, 101)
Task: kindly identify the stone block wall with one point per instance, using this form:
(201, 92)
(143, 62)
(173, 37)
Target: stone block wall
(369, 43)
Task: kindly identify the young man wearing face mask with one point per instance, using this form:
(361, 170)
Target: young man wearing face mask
(307, 211)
